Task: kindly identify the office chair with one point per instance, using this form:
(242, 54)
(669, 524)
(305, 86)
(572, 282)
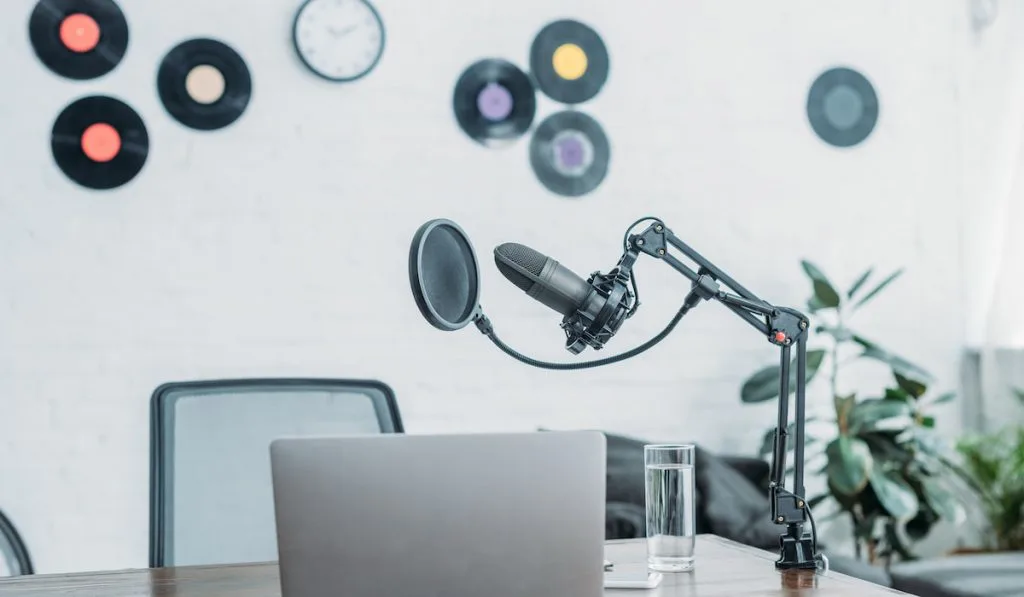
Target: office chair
(211, 499)
(14, 558)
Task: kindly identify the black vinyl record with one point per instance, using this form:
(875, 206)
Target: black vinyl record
(569, 61)
(78, 39)
(842, 107)
(570, 153)
(99, 142)
(204, 84)
(494, 101)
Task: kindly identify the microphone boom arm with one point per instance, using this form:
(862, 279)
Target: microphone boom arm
(782, 327)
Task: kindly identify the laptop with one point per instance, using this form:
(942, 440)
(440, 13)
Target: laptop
(465, 515)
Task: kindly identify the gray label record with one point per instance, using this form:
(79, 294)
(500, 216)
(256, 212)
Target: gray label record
(842, 107)
(570, 153)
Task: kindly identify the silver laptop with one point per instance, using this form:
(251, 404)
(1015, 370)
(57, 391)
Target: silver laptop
(477, 515)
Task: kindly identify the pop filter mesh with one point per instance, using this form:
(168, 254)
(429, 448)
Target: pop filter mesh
(448, 274)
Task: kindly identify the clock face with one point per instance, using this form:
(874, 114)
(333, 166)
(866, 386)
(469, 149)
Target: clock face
(339, 40)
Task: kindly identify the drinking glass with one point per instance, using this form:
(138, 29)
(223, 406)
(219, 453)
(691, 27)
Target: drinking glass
(669, 486)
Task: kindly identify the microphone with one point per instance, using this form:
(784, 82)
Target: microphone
(541, 277)
(592, 309)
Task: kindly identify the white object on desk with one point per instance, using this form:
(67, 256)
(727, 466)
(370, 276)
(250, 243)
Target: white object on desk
(639, 579)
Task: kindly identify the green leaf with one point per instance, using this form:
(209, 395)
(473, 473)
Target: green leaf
(898, 394)
(841, 334)
(814, 359)
(885, 449)
(761, 386)
(881, 286)
(860, 282)
(843, 405)
(898, 364)
(814, 305)
(942, 399)
(913, 387)
(895, 494)
(768, 440)
(941, 501)
(981, 464)
(878, 414)
(849, 465)
(928, 422)
(764, 384)
(931, 443)
(824, 292)
(1019, 393)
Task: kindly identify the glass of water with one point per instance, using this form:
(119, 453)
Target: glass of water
(669, 485)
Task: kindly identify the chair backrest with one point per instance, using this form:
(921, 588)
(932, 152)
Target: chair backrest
(211, 498)
(14, 558)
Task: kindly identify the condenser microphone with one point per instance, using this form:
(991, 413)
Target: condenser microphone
(542, 278)
(592, 309)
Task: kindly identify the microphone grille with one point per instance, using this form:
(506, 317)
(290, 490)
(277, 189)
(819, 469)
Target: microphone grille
(524, 258)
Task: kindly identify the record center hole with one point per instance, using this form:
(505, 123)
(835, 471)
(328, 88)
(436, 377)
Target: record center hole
(569, 61)
(80, 33)
(205, 84)
(101, 142)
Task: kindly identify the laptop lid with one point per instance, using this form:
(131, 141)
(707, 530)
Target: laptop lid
(471, 515)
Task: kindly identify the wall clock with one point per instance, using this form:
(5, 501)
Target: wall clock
(339, 40)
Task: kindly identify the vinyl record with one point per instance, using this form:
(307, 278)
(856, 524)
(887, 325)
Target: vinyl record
(569, 61)
(570, 153)
(494, 101)
(842, 107)
(99, 142)
(78, 39)
(204, 84)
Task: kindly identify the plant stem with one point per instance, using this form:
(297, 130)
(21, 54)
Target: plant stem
(856, 536)
(835, 356)
(834, 376)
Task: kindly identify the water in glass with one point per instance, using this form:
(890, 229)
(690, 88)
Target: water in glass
(670, 516)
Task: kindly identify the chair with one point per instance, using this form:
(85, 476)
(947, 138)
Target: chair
(14, 558)
(211, 499)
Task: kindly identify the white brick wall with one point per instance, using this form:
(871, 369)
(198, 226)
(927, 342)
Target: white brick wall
(278, 247)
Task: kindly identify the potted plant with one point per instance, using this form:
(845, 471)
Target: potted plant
(995, 461)
(886, 469)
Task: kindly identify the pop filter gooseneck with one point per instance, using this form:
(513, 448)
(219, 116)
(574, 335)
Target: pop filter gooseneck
(445, 278)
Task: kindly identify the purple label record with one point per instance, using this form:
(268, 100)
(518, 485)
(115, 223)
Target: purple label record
(494, 102)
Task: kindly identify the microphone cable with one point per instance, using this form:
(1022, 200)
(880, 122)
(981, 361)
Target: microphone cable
(484, 325)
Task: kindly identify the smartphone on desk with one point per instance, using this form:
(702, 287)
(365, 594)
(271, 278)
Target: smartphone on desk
(632, 579)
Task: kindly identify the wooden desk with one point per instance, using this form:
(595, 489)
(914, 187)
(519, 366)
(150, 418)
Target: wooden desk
(723, 569)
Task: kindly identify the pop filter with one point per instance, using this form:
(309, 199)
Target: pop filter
(444, 275)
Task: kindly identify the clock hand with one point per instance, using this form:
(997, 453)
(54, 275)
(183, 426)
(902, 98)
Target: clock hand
(342, 33)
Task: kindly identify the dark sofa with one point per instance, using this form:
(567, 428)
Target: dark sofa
(732, 502)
